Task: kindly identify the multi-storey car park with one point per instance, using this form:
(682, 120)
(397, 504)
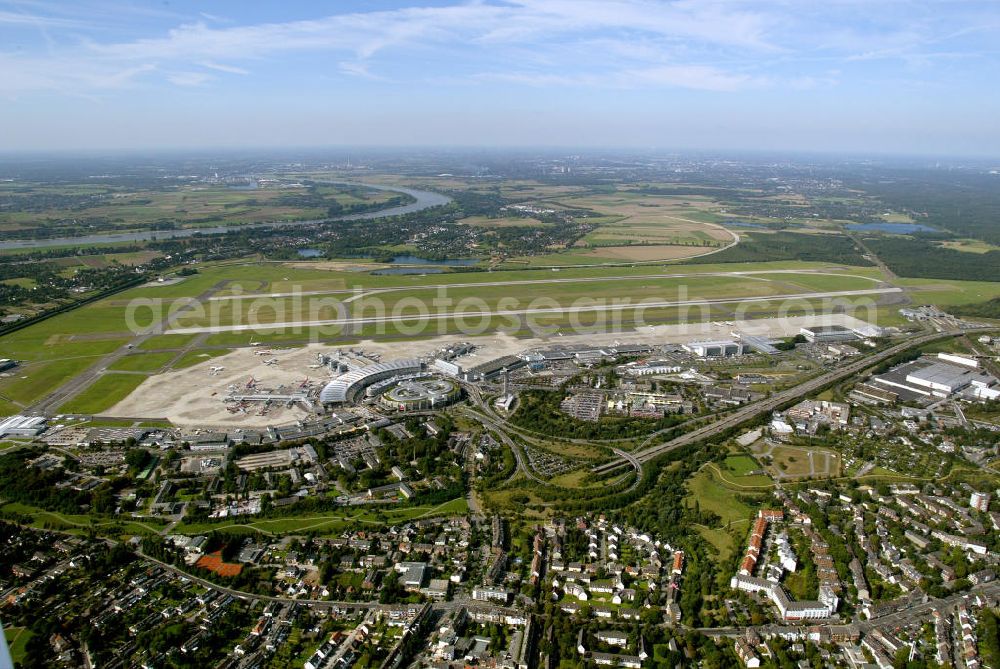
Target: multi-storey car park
(420, 394)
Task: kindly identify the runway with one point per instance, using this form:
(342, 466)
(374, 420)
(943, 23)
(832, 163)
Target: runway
(510, 313)
(528, 282)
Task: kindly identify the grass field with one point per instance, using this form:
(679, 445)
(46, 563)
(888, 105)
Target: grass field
(969, 246)
(798, 462)
(331, 523)
(79, 523)
(165, 341)
(705, 490)
(723, 540)
(17, 641)
(104, 393)
(945, 293)
(194, 357)
(142, 362)
(740, 465)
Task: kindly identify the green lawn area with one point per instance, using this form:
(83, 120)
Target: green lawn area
(710, 495)
(574, 479)
(17, 640)
(944, 293)
(166, 341)
(740, 465)
(143, 362)
(104, 393)
(31, 382)
(192, 358)
(78, 523)
(330, 523)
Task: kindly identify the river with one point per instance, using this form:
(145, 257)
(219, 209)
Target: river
(425, 200)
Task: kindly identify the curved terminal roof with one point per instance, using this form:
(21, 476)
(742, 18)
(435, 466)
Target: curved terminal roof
(345, 388)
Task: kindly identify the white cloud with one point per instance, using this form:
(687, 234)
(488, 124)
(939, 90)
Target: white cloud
(189, 78)
(720, 45)
(222, 67)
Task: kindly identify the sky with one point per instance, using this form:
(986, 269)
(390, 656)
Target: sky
(868, 76)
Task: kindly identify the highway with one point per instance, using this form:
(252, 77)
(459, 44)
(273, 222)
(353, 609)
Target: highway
(772, 403)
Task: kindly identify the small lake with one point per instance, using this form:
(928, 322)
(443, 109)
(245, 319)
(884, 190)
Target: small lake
(743, 224)
(310, 253)
(414, 260)
(890, 228)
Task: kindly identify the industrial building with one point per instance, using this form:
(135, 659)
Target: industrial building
(492, 368)
(22, 426)
(723, 348)
(928, 379)
(827, 333)
(758, 344)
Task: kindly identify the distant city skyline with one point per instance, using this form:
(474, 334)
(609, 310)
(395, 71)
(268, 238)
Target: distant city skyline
(901, 77)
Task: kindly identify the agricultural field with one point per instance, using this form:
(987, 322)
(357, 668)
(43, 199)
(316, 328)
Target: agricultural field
(118, 208)
(503, 222)
(969, 246)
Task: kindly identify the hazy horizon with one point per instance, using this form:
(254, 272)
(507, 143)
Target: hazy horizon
(901, 78)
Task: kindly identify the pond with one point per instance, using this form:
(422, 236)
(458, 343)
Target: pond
(890, 228)
(743, 224)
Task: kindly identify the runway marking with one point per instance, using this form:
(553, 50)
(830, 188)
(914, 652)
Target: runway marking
(267, 327)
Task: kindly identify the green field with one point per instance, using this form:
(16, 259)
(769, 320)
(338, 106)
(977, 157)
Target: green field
(705, 490)
(17, 641)
(79, 523)
(142, 362)
(103, 393)
(740, 465)
(194, 357)
(159, 342)
(330, 523)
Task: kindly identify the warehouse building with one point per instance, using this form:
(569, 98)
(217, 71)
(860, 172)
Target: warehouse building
(22, 426)
(827, 333)
(723, 348)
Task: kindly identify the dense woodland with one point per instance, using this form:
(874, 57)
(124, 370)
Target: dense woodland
(766, 247)
(964, 202)
(922, 258)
